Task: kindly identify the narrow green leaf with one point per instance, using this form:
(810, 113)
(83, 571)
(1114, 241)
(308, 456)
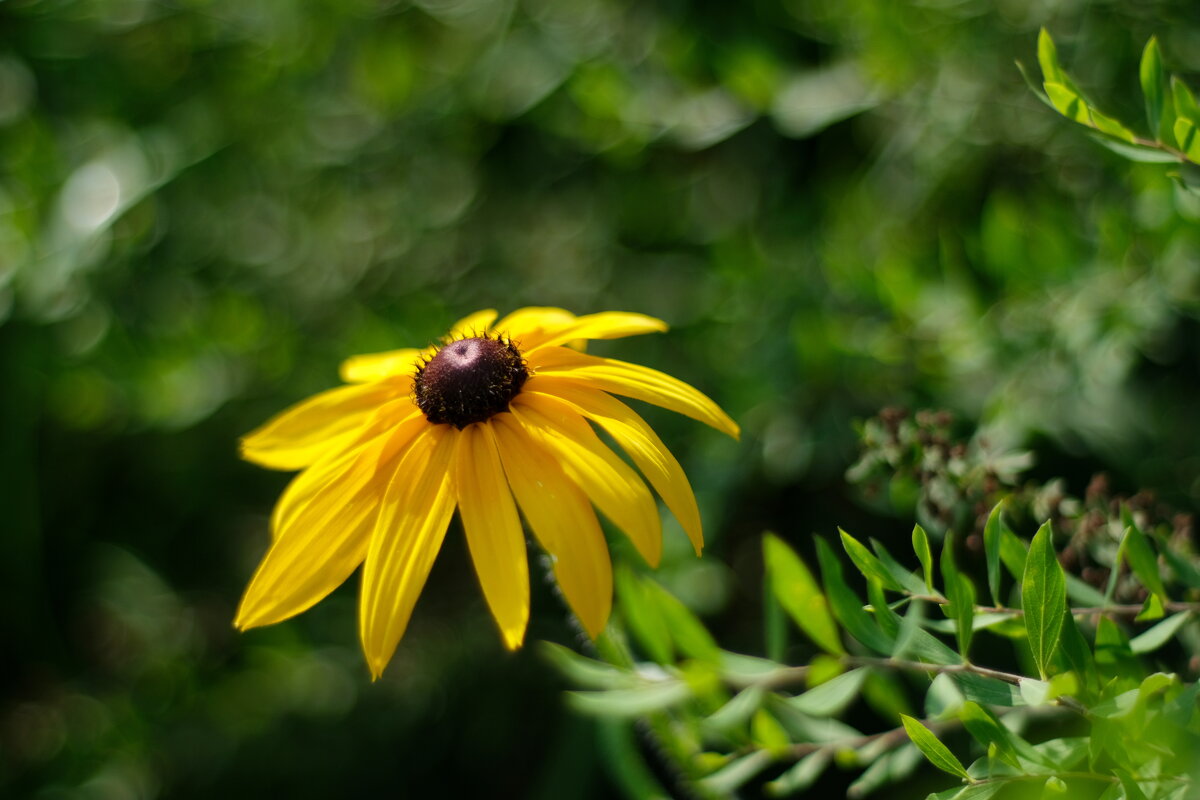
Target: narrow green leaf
(1154, 638)
(920, 541)
(687, 631)
(987, 691)
(903, 575)
(630, 702)
(1143, 561)
(938, 754)
(1110, 125)
(1043, 598)
(888, 769)
(1078, 655)
(800, 776)
(991, 549)
(983, 725)
(1186, 138)
(832, 696)
(975, 791)
(1185, 101)
(641, 613)
(737, 711)
(585, 672)
(727, 780)
(799, 595)
(1048, 58)
(848, 608)
(775, 631)
(1034, 692)
(887, 619)
(867, 563)
(1012, 552)
(1153, 81)
(1069, 103)
(1136, 152)
(1033, 85)
(961, 593)
(1184, 569)
(767, 733)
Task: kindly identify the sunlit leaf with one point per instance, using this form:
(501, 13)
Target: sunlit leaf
(920, 541)
(1043, 598)
(938, 754)
(870, 566)
(799, 594)
(1153, 80)
(832, 696)
(1157, 636)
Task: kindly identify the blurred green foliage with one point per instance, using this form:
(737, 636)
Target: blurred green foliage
(206, 204)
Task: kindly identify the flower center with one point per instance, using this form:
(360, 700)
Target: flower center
(469, 380)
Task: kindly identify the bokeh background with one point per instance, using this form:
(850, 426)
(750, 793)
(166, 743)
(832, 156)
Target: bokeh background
(206, 204)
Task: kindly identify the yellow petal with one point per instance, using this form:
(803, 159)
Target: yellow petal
(631, 380)
(606, 325)
(607, 480)
(320, 539)
(376, 366)
(394, 427)
(417, 507)
(472, 324)
(316, 427)
(529, 326)
(637, 439)
(561, 519)
(493, 530)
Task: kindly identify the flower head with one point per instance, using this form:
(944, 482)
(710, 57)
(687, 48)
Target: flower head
(493, 419)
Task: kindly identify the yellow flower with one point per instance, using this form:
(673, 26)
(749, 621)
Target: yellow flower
(498, 411)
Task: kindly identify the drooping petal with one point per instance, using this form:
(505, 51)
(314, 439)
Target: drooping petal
(416, 509)
(318, 426)
(394, 426)
(606, 325)
(529, 326)
(637, 439)
(321, 536)
(472, 324)
(493, 529)
(561, 519)
(607, 480)
(631, 380)
(376, 366)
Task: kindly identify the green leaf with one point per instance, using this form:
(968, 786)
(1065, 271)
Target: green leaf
(983, 725)
(800, 776)
(1077, 653)
(832, 696)
(991, 548)
(630, 702)
(585, 672)
(686, 630)
(920, 541)
(767, 733)
(987, 691)
(1185, 101)
(888, 769)
(1012, 552)
(737, 711)
(1069, 103)
(961, 593)
(887, 619)
(1186, 138)
(848, 608)
(1034, 86)
(1043, 598)
(1153, 80)
(1142, 560)
(1048, 58)
(1136, 152)
(904, 576)
(975, 791)
(938, 754)
(642, 614)
(727, 780)
(799, 594)
(870, 566)
(1154, 638)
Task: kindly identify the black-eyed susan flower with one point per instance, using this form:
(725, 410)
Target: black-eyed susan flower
(493, 419)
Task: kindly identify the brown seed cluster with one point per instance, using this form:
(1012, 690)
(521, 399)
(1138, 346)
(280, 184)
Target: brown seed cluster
(469, 380)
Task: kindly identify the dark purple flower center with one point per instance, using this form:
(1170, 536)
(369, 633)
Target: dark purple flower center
(469, 380)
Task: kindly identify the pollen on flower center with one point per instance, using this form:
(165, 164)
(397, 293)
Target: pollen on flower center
(470, 380)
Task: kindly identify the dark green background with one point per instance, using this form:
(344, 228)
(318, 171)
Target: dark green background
(206, 204)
